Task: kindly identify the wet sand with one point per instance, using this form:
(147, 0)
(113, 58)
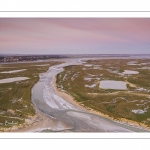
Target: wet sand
(70, 99)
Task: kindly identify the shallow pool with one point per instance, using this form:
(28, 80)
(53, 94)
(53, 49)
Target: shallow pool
(8, 80)
(130, 72)
(13, 71)
(112, 84)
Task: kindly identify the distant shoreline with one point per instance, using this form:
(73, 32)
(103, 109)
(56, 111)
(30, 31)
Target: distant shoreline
(25, 58)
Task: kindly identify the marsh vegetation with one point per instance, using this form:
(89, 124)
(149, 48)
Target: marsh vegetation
(82, 82)
(15, 96)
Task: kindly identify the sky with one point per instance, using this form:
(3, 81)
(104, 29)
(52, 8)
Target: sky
(74, 35)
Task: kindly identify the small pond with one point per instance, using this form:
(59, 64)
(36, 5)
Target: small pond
(13, 71)
(112, 84)
(130, 72)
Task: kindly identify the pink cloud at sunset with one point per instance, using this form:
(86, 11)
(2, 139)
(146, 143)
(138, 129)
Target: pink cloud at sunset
(74, 35)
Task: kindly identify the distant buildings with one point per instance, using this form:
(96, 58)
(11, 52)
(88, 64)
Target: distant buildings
(15, 58)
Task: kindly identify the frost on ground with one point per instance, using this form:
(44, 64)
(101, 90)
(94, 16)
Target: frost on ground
(89, 79)
(42, 65)
(90, 86)
(91, 75)
(97, 122)
(145, 68)
(74, 76)
(64, 77)
(132, 63)
(84, 69)
(88, 65)
(139, 111)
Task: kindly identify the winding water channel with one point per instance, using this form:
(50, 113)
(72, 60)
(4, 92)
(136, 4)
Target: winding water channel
(71, 117)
